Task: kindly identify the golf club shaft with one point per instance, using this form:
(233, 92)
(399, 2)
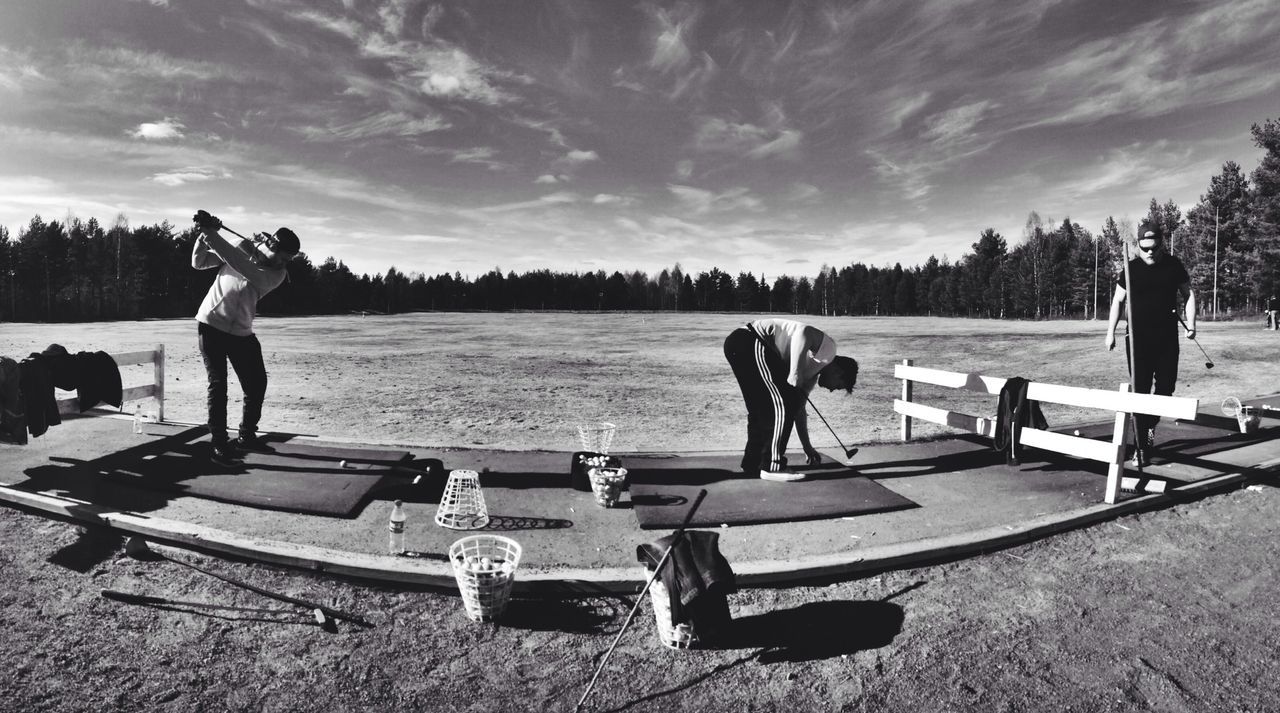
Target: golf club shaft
(829, 428)
(335, 613)
(640, 597)
(1208, 360)
(1131, 350)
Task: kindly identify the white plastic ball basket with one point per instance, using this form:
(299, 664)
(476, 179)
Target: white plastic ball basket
(485, 567)
(462, 504)
(607, 484)
(679, 636)
(596, 436)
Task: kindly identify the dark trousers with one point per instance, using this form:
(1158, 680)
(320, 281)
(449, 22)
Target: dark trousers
(245, 354)
(1155, 369)
(769, 398)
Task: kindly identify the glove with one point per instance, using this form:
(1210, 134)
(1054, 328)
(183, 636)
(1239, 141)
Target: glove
(813, 457)
(206, 222)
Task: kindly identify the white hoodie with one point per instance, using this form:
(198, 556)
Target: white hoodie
(232, 299)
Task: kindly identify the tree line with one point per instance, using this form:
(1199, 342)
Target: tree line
(77, 270)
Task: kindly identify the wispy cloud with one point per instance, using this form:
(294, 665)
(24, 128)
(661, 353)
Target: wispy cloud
(166, 128)
(388, 123)
(193, 174)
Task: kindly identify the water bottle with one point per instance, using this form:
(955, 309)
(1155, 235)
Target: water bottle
(396, 527)
(137, 418)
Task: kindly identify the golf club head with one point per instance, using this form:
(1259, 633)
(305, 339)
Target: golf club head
(1208, 365)
(136, 547)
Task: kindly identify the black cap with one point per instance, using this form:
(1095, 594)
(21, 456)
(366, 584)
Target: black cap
(1148, 230)
(287, 242)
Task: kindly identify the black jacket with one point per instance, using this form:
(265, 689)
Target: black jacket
(1014, 412)
(697, 577)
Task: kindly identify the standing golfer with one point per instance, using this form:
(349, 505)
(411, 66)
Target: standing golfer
(1160, 285)
(1273, 317)
(247, 271)
(777, 363)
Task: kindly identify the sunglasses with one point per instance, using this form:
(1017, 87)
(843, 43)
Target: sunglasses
(271, 242)
(1149, 249)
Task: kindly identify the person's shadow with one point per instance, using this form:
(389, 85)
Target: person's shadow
(814, 631)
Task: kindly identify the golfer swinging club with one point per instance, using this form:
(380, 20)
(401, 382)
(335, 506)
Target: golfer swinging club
(777, 363)
(247, 271)
(1160, 283)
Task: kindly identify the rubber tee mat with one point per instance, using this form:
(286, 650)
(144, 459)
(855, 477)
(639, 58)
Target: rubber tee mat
(294, 477)
(662, 490)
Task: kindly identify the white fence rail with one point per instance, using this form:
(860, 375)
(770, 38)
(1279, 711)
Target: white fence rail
(1122, 403)
(154, 389)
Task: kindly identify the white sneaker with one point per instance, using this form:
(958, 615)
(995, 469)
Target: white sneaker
(781, 476)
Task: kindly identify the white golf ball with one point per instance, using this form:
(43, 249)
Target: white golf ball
(342, 464)
(1076, 432)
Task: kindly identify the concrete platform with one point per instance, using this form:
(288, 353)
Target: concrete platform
(970, 502)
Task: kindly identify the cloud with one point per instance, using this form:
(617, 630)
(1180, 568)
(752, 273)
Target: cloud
(954, 125)
(166, 128)
(550, 178)
(421, 238)
(785, 145)
(387, 123)
(551, 199)
(701, 201)
(577, 156)
(718, 135)
(610, 199)
(189, 175)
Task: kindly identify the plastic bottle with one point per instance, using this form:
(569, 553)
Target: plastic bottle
(396, 527)
(137, 418)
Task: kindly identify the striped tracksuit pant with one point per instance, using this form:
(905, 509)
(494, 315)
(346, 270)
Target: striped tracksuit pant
(770, 400)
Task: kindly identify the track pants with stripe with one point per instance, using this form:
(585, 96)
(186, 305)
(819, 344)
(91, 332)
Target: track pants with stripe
(770, 400)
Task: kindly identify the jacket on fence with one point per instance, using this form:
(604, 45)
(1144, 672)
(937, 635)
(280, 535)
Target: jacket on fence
(13, 415)
(1013, 412)
(97, 380)
(697, 578)
(37, 392)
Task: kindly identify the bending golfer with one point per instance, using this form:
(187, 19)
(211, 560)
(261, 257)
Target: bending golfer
(247, 271)
(777, 363)
(1160, 285)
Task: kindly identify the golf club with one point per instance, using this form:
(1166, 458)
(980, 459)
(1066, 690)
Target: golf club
(640, 597)
(1208, 363)
(137, 548)
(148, 600)
(849, 453)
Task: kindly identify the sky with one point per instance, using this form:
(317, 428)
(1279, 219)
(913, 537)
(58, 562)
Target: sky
(758, 136)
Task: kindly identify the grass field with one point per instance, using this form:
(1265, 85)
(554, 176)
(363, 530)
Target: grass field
(1170, 611)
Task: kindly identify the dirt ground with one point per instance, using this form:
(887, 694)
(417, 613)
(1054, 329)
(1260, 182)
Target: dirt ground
(1172, 610)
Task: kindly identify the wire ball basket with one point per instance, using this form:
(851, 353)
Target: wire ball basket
(596, 436)
(677, 636)
(607, 484)
(1245, 417)
(485, 567)
(462, 504)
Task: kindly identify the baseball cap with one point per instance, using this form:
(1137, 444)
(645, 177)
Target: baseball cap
(287, 242)
(1148, 230)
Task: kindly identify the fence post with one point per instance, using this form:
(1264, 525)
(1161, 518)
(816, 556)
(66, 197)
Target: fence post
(906, 396)
(159, 377)
(1116, 468)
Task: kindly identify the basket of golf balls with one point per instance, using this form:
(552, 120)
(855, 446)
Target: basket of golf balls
(583, 462)
(673, 636)
(485, 567)
(607, 484)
